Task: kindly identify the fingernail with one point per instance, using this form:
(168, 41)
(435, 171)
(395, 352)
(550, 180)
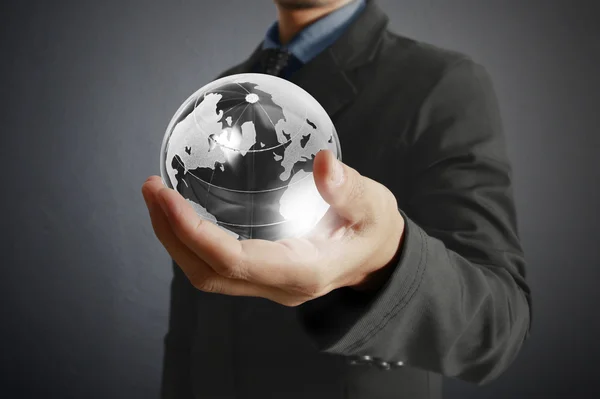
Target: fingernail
(338, 173)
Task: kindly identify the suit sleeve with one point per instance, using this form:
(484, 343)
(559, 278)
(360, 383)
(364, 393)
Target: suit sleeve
(176, 382)
(456, 301)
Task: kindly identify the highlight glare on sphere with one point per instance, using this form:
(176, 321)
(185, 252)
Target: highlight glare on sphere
(241, 151)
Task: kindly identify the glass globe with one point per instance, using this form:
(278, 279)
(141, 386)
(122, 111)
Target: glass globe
(241, 151)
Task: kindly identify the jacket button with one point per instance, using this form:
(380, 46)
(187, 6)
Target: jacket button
(396, 365)
(360, 360)
(383, 365)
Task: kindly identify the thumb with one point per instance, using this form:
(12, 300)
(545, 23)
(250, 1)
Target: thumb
(352, 196)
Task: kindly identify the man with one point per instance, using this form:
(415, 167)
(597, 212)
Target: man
(415, 273)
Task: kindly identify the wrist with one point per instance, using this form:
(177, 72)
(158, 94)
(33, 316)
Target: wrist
(385, 265)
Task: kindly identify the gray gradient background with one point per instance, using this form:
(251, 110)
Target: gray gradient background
(87, 89)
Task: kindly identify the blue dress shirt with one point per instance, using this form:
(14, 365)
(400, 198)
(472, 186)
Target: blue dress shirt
(316, 37)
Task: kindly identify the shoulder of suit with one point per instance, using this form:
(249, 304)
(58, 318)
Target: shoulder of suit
(416, 58)
(416, 66)
(427, 57)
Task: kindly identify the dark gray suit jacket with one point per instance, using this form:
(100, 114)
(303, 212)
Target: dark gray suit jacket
(424, 122)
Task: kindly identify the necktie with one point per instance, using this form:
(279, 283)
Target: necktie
(274, 61)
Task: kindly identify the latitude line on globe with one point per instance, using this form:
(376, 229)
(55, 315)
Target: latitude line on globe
(271, 187)
(207, 134)
(214, 169)
(242, 191)
(274, 128)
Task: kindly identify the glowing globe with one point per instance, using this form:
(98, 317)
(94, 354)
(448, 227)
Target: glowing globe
(241, 151)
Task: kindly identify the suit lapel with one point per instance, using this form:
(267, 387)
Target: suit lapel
(324, 79)
(326, 76)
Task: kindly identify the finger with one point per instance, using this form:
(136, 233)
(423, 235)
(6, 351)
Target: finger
(200, 274)
(193, 267)
(293, 264)
(205, 239)
(356, 198)
(278, 264)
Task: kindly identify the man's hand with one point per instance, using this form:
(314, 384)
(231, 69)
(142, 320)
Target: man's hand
(351, 246)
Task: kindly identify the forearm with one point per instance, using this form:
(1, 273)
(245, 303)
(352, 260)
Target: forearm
(456, 301)
(438, 311)
(467, 318)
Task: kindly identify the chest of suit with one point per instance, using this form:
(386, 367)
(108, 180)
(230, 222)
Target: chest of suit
(257, 346)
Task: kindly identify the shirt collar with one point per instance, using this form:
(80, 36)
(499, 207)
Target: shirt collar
(319, 35)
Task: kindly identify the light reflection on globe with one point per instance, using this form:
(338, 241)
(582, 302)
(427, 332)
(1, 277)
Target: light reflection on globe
(241, 151)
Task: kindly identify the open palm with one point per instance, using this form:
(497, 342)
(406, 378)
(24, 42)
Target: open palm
(350, 243)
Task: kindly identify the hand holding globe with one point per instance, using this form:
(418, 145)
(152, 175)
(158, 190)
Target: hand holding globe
(344, 231)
